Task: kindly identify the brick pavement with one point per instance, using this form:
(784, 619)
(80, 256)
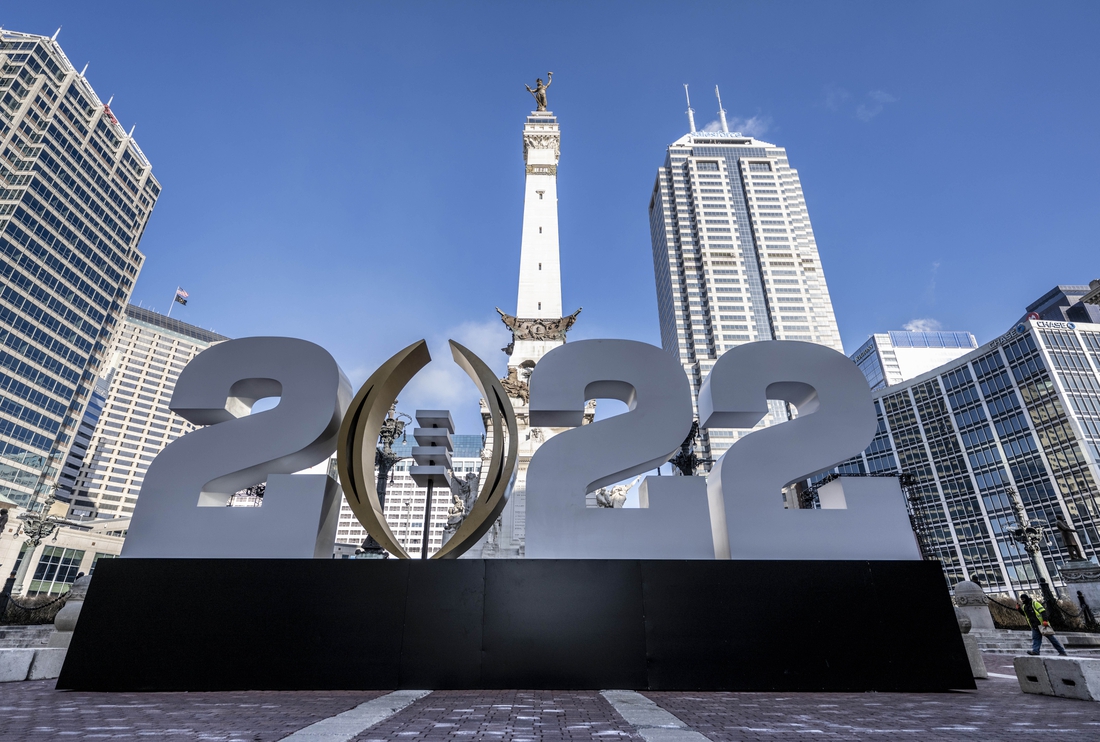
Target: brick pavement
(997, 710)
(508, 715)
(35, 711)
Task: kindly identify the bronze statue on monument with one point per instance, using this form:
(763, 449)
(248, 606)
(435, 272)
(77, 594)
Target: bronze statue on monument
(1071, 540)
(540, 91)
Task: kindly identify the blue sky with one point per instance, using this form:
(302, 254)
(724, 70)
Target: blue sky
(351, 173)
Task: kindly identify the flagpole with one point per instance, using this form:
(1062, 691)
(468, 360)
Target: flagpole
(172, 305)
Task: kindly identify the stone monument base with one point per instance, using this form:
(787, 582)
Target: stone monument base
(1083, 576)
(223, 624)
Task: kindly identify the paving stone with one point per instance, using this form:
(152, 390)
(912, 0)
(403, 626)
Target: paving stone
(996, 710)
(33, 711)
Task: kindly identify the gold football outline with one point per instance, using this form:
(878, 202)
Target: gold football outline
(362, 424)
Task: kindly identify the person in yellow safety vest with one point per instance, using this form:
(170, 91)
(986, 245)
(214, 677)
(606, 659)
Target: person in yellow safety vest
(1034, 612)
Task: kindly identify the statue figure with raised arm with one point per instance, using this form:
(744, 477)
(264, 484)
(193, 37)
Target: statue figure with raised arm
(614, 497)
(540, 91)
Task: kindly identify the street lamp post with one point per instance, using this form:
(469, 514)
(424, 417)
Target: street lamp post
(36, 526)
(1030, 534)
(393, 427)
(686, 461)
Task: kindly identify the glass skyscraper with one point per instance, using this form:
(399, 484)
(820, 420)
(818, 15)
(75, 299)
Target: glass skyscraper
(75, 196)
(1022, 411)
(734, 256)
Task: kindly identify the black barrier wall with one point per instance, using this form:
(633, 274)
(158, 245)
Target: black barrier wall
(223, 624)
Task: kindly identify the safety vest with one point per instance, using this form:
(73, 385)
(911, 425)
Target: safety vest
(1039, 610)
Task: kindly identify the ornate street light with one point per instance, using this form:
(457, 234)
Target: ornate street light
(385, 459)
(686, 461)
(1031, 535)
(36, 526)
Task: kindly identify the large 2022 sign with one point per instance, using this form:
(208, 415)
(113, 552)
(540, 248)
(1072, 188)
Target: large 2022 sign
(735, 512)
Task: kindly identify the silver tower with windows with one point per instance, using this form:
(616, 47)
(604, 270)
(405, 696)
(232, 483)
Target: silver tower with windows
(75, 195)
(734, 256)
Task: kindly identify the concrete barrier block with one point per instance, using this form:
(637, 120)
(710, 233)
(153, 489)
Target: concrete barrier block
(1074, 677)
(977, 664)
(15, 664)
(1032, 674)
(60, 639)
(46, 664)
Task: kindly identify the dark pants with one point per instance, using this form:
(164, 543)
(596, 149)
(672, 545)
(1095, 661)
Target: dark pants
(1037, 641)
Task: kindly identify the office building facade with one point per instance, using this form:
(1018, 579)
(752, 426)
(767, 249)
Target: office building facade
(734, 256)
(892, 357)
(1022, 411)
(405, 501)
(136, 424)
(1071, 303)
(76, 192)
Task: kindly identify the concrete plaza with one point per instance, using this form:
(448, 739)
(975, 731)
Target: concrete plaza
(996, 710)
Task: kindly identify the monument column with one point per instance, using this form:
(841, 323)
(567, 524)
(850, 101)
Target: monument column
(538, 325)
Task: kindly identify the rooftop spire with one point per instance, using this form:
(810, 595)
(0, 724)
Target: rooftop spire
(691, 112)
(721, 111)
(55, 33)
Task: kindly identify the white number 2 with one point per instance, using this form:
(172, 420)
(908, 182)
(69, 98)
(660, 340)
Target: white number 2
(181, 511)
(672, 522)
(861, 518)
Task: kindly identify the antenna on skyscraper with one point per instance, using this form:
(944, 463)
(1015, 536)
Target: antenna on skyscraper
(691, 112)
(55, 33)
(85, 69)
(721, 111)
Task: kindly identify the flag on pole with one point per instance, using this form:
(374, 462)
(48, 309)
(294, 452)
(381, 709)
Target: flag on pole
(181, 296)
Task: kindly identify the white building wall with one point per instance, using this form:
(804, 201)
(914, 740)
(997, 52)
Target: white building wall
(735, 258)
(136, 424)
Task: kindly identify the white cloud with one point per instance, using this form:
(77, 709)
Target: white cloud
(922, 325)
(877, 101)
(835, 97)
(753, 126)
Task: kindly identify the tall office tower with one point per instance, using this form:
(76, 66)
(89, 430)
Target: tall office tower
(75, 195)
(538, 326)
(66, 482)
(893, 357)
(1066, 304)
(136, 424)
(405, 501)
(1021, 411)
(734, 255)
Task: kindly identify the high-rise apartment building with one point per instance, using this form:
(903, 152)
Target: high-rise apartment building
(405, 500)
(136, 424)
(734, 255)
(892, 357)
(75, 196)
(1022, 411)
